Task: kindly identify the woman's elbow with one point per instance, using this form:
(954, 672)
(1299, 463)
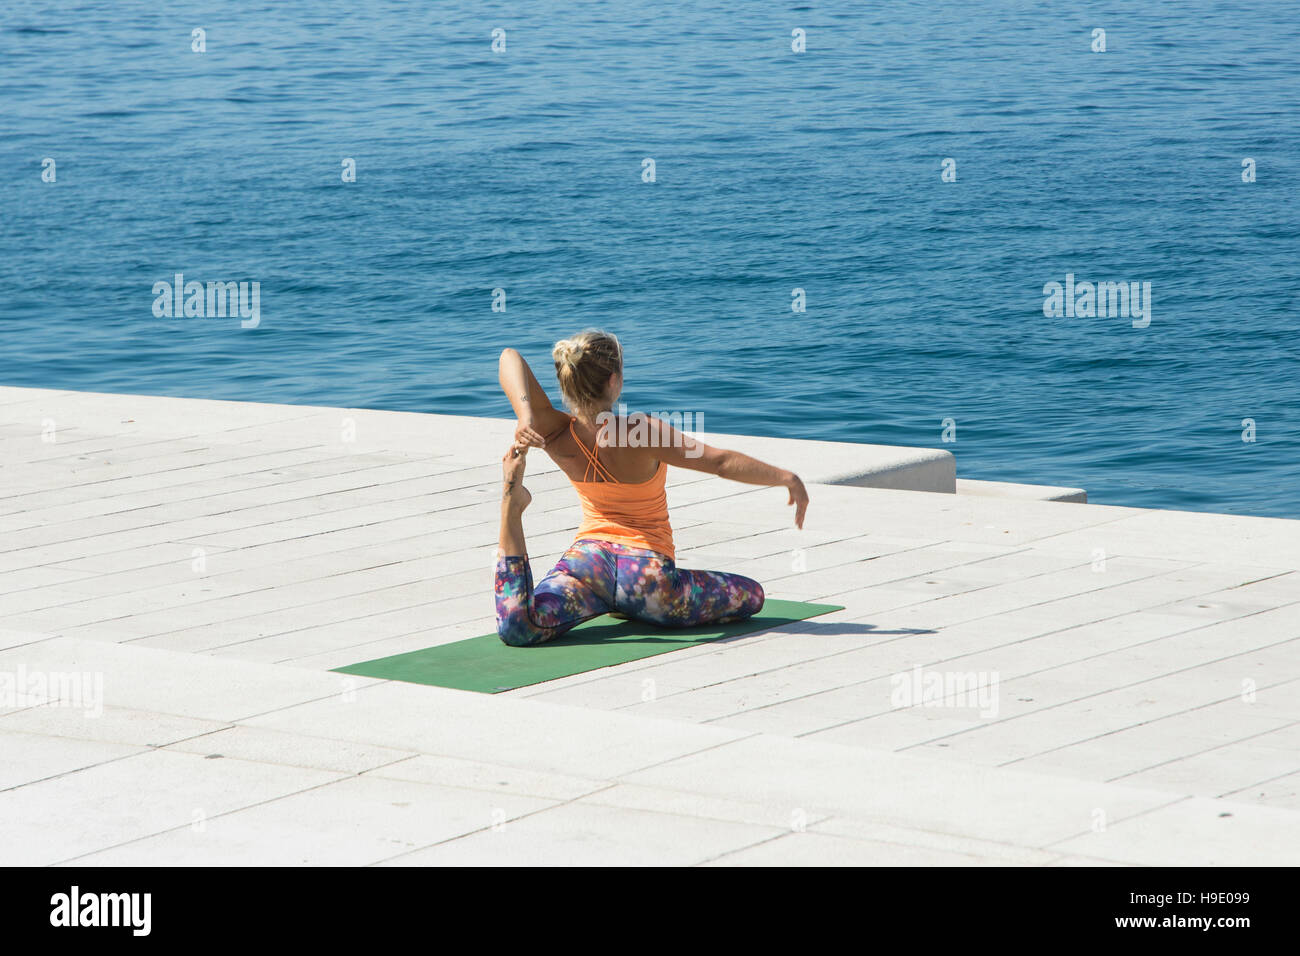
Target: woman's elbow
(721, 463)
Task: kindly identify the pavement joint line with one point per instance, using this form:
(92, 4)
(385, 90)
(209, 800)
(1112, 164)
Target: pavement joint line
(749, 846)
(1156, 720)
(292, 481)
(80, 436)
(297, 766)
(256, 590)
(1038, 710)
(1128, 818)
(239, 725)
(389, 637)
(1226, 743)
(759, 534)
(36, 639)
(1260, 783)
(1135, 512)
(266, 524)
(273, 587)
(88, 485)
(613, 781)
(1045, 670)
(250, 454)
(998, 584)
(242, 571)
(851, 650)
(1026, 607)
(820, 816)
(621, 778)
(365, 682)
(717, 647)
(221, 494)
(141, 749)
(298, 607)
(10, 711)
(219, 599)
(865, 562)
(1002, 844)
(108, 707)
(945, 660)
(342, 775)
(287, 419)
(649, 663)
(558, 803)
(351, 620)
(1126, 647)
(406, 756)
(317, 534)
(977, 857)
(1111, 690)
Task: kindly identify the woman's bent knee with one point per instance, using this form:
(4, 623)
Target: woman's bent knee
(519, 637)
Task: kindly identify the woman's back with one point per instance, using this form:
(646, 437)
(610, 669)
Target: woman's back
(570, 449)
(620, 487)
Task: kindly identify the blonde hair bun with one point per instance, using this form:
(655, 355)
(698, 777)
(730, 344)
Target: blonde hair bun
(583, 365)
(568, 351)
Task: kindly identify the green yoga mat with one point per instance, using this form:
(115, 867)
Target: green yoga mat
(487, 665)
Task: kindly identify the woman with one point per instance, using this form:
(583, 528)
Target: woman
(622, 560)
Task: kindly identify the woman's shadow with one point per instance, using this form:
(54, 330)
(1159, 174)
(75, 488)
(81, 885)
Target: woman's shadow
(605, 629)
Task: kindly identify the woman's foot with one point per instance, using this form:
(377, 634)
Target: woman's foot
(517, 499)
(514, 495)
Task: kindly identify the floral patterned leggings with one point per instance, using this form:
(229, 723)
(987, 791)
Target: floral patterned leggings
(596, 577)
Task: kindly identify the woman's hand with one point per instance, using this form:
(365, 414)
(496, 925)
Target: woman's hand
(513, 494)
(526, 434)
(798, 498)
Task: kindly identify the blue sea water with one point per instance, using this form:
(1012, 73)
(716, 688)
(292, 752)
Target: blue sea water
(774, 170)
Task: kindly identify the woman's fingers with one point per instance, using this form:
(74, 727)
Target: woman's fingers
(514, 458)
(527, 435)
(799, 498)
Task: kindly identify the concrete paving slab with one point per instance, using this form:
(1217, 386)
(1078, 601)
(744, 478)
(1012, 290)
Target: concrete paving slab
(1226, 834)
(593, 835)
(351, 822)
(1147, 660)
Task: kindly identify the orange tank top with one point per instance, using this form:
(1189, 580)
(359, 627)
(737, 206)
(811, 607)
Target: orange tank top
(631, 513)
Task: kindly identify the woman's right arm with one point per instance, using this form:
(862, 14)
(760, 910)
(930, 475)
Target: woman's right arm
(537, 416)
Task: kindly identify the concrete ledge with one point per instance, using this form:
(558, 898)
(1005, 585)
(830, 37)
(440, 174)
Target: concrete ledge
(849, 463)
(1010, 489)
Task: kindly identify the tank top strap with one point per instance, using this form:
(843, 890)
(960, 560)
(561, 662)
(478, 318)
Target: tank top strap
(592, 461)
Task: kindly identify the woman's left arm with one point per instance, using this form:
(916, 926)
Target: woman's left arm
(678, 448)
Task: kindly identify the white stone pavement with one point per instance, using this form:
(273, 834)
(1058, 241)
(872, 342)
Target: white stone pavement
(210, 561)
